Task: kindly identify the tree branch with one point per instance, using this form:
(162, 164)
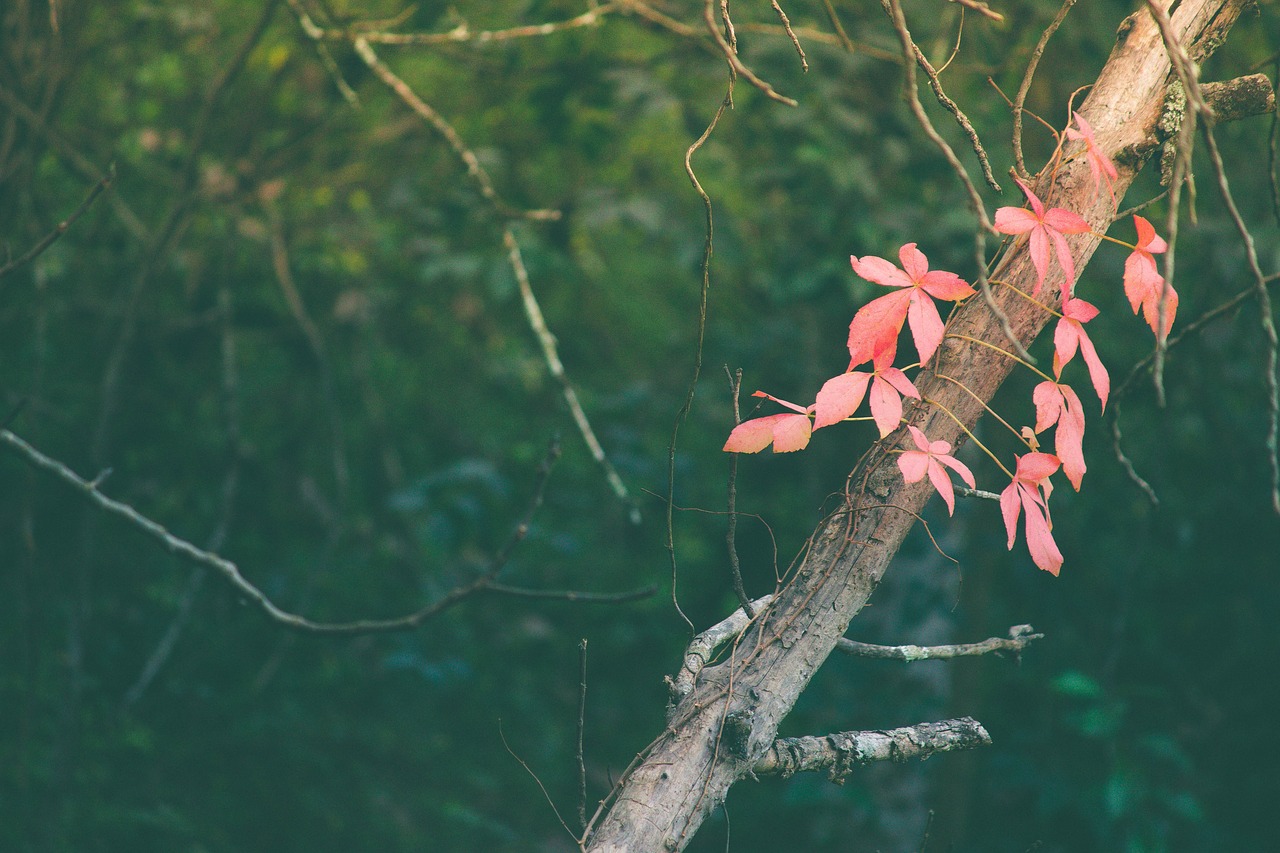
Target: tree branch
(1019, 637)
(837, 754)
(230, 572)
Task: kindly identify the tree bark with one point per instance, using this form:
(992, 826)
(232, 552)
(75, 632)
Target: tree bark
(687, 771)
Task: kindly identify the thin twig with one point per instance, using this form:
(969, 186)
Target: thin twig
(1019, 637)
(731, 534)
(786, 25)
(573, 596)
(909, 48)
(1021, 99)
(226, 498)
(582, 715)
(75, 160)
(1264, 312)
(551, 356)
(428, 113)
(958, 114)
(485, 184)
(1126, 463)
(541, 787)
(1138, 208)
(836, 25)
(61, 228)
(979, 7)
(463, 33)
(1194, 108)
(707, 251)
(730, 52)
(230, 572)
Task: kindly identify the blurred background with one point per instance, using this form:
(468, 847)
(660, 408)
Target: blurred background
(290, 331)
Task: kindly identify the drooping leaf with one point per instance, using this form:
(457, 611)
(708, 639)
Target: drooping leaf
(1045, 227)
(1028, 493)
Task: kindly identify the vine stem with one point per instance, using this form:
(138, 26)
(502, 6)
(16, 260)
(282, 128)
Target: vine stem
(1004, 352)
(990, 410)
(969, 432)
(1026, 296)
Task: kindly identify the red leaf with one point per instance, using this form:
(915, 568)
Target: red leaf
(786, 432)
(1057, 403)
(1069, 335)
(839, 398)
(1143, 283)
(1045, 227)
(1029, 491)
(929, 459)
(876, 326)
(1100, 165)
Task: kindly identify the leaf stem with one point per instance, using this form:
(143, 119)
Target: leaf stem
(990, 410)
(1025, 295)
(969, 433)
(1004, 352)
(1128, 246)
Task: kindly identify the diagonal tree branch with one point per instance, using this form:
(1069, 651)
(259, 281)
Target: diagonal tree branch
(685, 773)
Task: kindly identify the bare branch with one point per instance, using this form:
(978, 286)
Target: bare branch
(463, 33)
(61, 228)
(837, 754)
(730, 52)
(1019, 637)
(230, 572)
(979, 7)
(1021, 98)
(703, 646)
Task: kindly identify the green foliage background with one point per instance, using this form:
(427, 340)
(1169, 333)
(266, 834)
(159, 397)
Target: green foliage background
(384, 462)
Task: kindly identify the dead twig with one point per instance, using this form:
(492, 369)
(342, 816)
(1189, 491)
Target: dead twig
(1021, 98)
(1019, 637)
(62, 227)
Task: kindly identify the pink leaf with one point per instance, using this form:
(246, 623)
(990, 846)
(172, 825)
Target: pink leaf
(876, 326)
(886, 406)
(791, 433)
(839, 398)
(1100, 165)
(941, 482)
(1069, 335)
(913, 464)
(929, 459)
(1044, 227)
(926, 326)
(1028, 491)
(1044, 551)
